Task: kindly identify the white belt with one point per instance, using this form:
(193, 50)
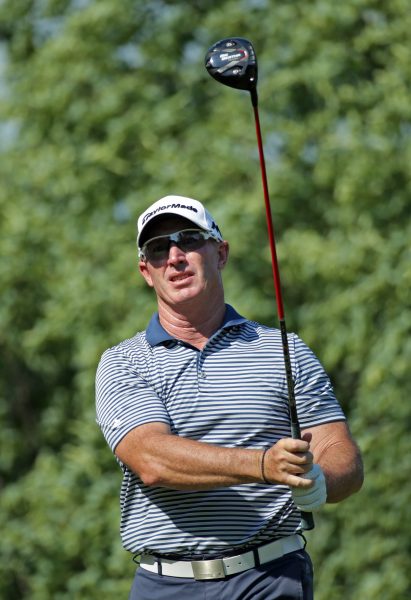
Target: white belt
(221, 567)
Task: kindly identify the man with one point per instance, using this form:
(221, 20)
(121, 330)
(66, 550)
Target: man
(195, 410)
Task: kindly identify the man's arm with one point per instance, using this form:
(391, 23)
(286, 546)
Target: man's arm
(160, 458)
(338, 455)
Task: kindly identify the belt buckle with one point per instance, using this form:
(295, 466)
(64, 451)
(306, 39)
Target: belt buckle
(208, 569)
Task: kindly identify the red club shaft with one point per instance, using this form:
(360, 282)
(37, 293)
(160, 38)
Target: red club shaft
(307, 519)
(271, 238)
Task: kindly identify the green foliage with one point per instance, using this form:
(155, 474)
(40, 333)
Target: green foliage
(106, 107)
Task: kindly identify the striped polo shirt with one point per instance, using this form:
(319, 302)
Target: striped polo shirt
(231, 393)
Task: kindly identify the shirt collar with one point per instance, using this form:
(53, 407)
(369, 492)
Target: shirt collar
(156, 334)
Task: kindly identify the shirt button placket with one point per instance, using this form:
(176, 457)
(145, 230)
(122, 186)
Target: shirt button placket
(200, 368)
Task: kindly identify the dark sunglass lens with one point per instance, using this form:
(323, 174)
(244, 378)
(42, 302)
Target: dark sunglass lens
(157, 249)
(191, 241)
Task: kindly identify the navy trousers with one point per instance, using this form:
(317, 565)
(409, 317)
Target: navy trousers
(287, 578)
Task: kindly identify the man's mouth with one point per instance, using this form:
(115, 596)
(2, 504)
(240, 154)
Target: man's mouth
(179, 277)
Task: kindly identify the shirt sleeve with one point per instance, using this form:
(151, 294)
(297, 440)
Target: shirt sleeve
(314, 394)
(124, 399)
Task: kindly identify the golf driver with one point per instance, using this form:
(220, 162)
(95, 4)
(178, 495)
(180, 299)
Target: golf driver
(233, 62)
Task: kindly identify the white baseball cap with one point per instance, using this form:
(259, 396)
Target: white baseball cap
(188, 208)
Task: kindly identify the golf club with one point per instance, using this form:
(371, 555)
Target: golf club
(233, 62)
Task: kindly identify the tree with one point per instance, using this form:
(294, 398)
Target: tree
(109, 108)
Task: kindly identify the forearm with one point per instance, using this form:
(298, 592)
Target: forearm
(340, 458)
(162, 459)
(343, 474)
(171, 461)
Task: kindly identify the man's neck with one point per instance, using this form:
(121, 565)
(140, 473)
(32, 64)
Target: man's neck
(192, 325)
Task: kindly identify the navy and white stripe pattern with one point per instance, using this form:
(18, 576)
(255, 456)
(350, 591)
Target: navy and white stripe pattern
(232, 393)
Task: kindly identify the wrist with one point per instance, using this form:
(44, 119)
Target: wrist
(262, 467)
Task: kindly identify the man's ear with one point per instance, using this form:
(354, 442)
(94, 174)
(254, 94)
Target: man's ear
(223, 251)
(142, 266)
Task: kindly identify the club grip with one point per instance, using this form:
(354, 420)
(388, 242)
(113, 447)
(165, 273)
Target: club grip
(307, 521)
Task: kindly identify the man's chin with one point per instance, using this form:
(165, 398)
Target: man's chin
(186, 295)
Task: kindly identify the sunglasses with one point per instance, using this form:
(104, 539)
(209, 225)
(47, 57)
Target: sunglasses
(187, 240)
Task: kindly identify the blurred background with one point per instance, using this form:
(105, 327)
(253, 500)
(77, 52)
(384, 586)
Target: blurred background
(105, 107)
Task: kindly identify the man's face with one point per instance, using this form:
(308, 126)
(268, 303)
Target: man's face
(183, 277)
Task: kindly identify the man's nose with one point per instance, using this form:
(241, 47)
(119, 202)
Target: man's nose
(175, 253)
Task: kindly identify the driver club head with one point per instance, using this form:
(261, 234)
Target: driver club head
(232, 61)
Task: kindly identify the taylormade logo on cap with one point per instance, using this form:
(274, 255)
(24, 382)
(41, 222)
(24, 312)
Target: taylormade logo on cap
(181, 206)
(166, 208)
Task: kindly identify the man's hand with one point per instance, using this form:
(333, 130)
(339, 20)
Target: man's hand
(314, 497)
(288, 461)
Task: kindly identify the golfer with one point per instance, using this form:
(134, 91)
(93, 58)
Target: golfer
(195, 410)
